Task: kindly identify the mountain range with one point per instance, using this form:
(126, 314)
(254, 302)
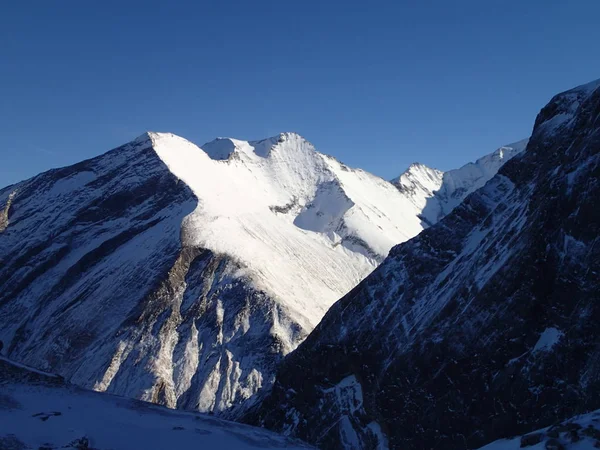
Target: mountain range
(207, 279)
(182, 275)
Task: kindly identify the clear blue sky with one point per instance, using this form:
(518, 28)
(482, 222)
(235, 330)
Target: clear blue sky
(376, 84)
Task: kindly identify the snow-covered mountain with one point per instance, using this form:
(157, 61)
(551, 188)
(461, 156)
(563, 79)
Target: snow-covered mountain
(305, 226)
(483, 326)
(40, 411)
(181, 275)
(437, 193)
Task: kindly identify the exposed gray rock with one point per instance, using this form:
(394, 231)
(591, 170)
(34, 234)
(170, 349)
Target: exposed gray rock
(4, 211)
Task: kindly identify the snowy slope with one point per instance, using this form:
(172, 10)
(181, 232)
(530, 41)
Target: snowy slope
(306, 228)
(39, 410)
(436, 193)
(483, 326)
(579, 433)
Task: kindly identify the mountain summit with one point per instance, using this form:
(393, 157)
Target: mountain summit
(437, 193)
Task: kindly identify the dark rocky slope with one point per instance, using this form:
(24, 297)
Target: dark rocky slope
(483, 326)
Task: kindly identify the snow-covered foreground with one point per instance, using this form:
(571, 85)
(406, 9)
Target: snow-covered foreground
(579, 433)
(40, 411)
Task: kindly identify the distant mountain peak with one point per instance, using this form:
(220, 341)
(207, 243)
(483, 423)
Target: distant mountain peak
(491, 163)
(413, 170)
(436, 193)
(290, 135)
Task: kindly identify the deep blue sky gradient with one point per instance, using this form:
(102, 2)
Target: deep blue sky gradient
(376, 84)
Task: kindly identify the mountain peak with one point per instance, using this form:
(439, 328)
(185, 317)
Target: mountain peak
(428, 177)
(145, 136)
(151, 138)
(288, 135)
(586, 88)
(491, 163)
(436, 193)
(559, 113)
(223, 148)
(143, 139)
(419, 166)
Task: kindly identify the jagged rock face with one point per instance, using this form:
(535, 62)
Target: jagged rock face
(76, 249)
(483, 326)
